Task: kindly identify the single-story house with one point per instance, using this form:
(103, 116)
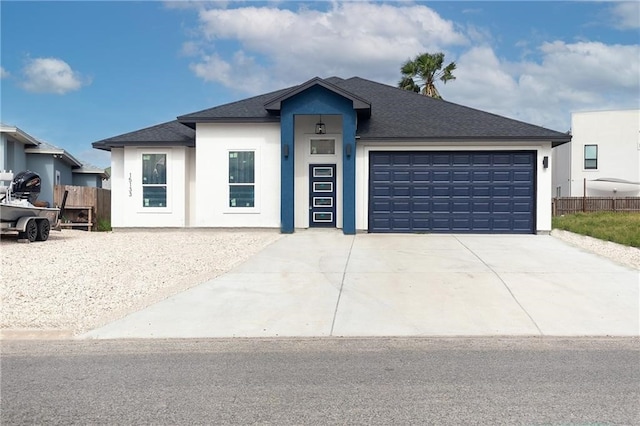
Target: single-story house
(602, 158)
(20, 151)
(349, 153)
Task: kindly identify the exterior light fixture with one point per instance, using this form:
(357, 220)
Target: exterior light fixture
(320, 127)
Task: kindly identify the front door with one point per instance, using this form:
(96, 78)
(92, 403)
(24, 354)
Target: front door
(322, 195)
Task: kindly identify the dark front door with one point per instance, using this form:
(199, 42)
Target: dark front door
(322, 195)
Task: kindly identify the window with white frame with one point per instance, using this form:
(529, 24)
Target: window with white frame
(590, 157)
(154, 180)
(242, 182)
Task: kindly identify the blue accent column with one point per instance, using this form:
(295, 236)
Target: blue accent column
(349, 173)
(287, 146)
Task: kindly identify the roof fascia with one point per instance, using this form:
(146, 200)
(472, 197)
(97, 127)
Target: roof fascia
(192, 121)
(106, 146)
(503, 139)
(275, 104)
(20, 135)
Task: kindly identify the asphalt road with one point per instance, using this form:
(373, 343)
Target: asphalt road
(322, 381)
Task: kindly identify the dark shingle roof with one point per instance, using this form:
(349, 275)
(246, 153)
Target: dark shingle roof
(401, 114)
(248, 110)
(170, 133)
(395, 115)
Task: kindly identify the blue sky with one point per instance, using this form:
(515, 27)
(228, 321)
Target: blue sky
(80, 71)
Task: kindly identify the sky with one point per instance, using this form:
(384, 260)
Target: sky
(76, 72)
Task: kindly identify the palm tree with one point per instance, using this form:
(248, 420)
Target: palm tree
(419, 75)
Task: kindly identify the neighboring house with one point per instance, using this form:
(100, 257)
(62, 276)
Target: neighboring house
(54, 165)
(13, 143)
(350, 154)
(603, 156)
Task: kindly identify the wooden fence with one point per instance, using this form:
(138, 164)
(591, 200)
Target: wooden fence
(86, 196)
(569, 205)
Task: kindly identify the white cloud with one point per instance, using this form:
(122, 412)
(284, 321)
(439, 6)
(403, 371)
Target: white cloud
(51, 75)
(626, 15)
(4, 73)
(274, 48)
(568, 77)
(304, 43)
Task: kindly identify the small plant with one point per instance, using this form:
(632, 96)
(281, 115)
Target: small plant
(618, 227)
(104, 225)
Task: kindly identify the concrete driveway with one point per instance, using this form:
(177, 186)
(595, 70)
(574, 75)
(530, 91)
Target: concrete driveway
(323, 283)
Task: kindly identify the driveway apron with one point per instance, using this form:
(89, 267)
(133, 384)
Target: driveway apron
(324, 283)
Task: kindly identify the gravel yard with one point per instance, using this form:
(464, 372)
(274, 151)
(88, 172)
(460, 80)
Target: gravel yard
(80, 280)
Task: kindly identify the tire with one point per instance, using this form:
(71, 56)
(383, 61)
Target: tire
(31, 233)
(43, 230)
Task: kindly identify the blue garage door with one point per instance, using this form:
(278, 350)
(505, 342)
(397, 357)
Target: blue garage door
(460, 192)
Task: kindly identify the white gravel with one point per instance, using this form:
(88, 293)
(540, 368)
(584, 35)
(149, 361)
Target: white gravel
(81, 280)
(627, 256)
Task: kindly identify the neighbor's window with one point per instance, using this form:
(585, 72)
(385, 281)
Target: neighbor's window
(591, 156)
(242, 179)
(154, 180)
(323, 146)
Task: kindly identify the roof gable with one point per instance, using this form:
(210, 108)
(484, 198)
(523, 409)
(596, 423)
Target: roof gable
(359, 104)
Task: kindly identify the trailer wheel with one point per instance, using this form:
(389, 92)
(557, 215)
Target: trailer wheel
(43, 230)
(31, 231)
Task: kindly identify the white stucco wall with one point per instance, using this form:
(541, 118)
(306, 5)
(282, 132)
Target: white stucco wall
(213, 144)
(561, 171)
(543, 184)
(617, 135)
(119, 191)
(127, 209)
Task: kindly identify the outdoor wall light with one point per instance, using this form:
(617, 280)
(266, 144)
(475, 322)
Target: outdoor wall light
(320, 127)
(545, 162)
(347, 150)
(285, 150)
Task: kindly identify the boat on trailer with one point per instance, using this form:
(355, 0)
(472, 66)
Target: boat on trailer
(18, 212)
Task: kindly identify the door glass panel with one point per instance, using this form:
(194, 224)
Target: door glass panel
(322, 217)
(322, 186)
(323, 172)
(322, 201)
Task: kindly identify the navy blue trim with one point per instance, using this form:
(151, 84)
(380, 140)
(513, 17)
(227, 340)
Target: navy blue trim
(317, 100)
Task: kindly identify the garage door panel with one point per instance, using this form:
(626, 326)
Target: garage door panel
(522, 176)
(480, 176)
(501, 192)
(461, 207)
(400, 191)
(421, 191)
(462, 191)
(452, 191)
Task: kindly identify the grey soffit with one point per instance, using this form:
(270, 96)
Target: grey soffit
(165, 134)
